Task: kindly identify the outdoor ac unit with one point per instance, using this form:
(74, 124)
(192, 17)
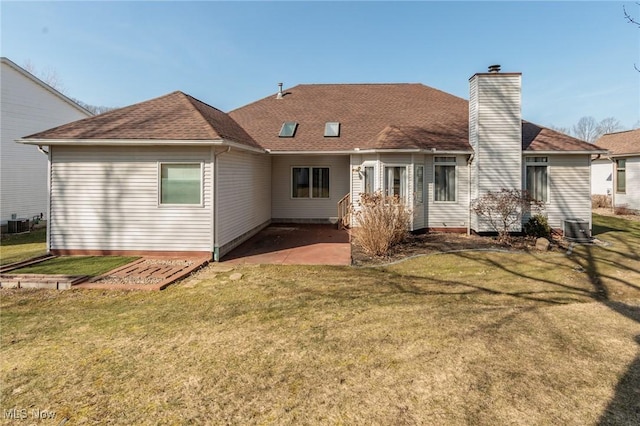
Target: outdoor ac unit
(576, 230)
(17, 226)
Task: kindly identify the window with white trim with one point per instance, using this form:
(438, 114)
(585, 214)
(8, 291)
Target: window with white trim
(369, 180)
(180, 183)
(310, 182)
(395, 181)
(621, 176)
(444, 179)
(537, 177)
(418, 183)
(331, 129)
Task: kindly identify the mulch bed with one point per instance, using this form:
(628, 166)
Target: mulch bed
(430, 243)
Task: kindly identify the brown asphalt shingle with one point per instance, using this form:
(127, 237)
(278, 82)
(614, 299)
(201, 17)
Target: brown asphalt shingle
(382, 116)
(175, 116)
(371, 116)
(627, 142)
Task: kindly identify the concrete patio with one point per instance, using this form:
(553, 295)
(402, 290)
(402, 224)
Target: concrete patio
(294, 244)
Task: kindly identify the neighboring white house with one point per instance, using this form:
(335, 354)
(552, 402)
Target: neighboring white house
(28, 105)
(174, 174)
(621, 166)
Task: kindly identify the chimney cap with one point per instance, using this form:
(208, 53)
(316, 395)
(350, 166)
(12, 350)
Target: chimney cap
(494, 68)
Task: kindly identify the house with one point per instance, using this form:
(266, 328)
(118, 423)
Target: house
(621, 166)
(28, 105)
(174, 174)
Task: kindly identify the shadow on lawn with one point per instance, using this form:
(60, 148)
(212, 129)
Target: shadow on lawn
(624, 407)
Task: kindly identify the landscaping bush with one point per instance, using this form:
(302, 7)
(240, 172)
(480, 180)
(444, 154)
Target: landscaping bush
(537, 226)
(624, 210)
(503, 210)
(600, 201)
(381, 223)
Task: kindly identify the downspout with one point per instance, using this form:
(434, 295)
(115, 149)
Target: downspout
(469, 161)
(48, 229)
(214, 210)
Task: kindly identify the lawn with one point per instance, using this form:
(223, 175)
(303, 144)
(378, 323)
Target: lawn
(461, 338)
(16, 248)
(76, 265)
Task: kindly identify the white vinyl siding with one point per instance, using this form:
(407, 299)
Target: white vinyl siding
(601, 176)
(448, 214)
(284, 207)
(26, 108)
(244, 196)
(569, 189)
(495, 133)
(106, 198)
(631, 198)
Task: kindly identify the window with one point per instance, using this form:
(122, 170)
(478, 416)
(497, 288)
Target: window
(444, 179)
(288, 129)
(419, 183)
(369, 180)
(396, 181)
(310, 182)
(181, 183)
(537, 178)
(621, 176)
(331, 129)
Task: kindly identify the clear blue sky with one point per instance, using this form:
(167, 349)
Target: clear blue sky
(577, 58)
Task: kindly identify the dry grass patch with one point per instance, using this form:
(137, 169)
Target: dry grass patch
(481, 338)
(16, 248)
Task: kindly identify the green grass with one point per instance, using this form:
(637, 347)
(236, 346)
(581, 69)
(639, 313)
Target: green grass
(76, 265)
(16, 248)
(461, 338)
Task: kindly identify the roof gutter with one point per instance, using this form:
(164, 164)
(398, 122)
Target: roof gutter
(140, 142)
(594, 152)
(371, 151)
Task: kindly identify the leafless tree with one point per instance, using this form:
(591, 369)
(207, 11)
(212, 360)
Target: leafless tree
(609, 125)
(587, 129)
(565, 130)
(630, 19)
(50, 76)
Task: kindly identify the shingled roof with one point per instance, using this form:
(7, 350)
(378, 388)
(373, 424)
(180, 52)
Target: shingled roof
(175, 116)
(378, 116)
(621, 143)
(371, 116)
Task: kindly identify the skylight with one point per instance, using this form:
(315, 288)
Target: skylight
(288, 129)
(332, 129)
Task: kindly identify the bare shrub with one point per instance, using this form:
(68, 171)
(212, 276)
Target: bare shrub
(504, 209)
(600, 201)
(381, 223)
(624, 210)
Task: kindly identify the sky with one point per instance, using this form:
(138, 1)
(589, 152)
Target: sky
(576, 58)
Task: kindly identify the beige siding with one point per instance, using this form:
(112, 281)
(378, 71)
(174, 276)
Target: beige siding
(496, 134)
(244, 196)
(631, 198)
(449, 214)
(106, 198)
(26, 108)
(569, 195)
(284, 207)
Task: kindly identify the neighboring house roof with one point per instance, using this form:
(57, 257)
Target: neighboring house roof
(44, 85)
(621, 143)
(175, 117)
(371, 116)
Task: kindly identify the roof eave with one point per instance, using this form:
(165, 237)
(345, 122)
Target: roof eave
(373, 151)
(550, 152)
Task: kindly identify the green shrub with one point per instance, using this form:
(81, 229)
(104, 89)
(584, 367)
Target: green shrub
(537, 226)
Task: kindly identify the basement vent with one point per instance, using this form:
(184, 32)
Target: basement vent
(576, 230)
